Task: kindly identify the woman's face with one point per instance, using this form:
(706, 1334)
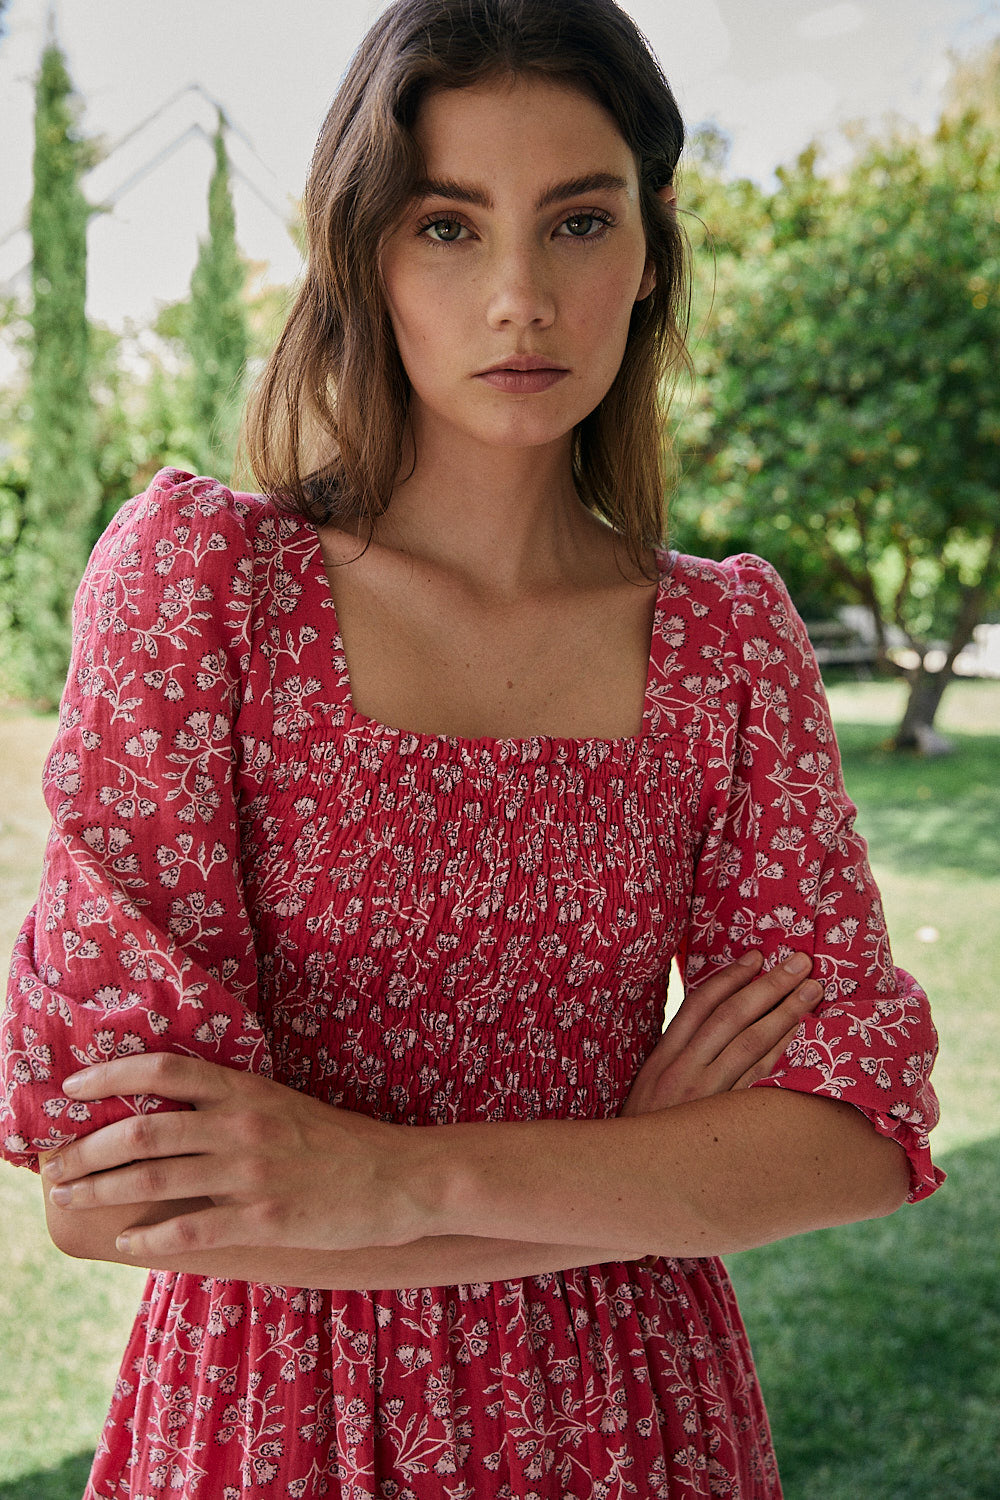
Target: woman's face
(524, 242)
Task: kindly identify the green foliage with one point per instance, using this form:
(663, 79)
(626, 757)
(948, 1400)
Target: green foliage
(142, 420)
(62, 493)
(216, 331)
(847, 423)
(13, 487)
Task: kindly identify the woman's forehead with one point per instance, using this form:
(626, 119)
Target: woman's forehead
(527, 128)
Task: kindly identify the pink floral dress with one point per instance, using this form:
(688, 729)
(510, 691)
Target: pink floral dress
(431, 929)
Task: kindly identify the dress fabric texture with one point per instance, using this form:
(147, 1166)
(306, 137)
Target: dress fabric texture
(430, 929)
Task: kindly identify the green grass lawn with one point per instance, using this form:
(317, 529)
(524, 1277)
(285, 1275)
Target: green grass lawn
(878, 1344)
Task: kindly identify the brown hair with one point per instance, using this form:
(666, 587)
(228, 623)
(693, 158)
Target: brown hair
(325, 425)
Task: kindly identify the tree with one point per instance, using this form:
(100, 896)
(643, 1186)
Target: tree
(217, 334)
(56, 532)
(850, 419)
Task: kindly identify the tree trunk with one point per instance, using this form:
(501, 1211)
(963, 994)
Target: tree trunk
(916, 731)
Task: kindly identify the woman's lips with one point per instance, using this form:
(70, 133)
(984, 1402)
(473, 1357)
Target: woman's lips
(522, 382)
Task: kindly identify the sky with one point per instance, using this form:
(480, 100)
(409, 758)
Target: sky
(773, 73)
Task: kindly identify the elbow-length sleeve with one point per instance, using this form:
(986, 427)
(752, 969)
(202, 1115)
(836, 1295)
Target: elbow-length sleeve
(781, 868)
(140, 939)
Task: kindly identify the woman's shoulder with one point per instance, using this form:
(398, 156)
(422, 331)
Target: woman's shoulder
(176, 501)
(208, 528)
(742, 599)
(742, 583)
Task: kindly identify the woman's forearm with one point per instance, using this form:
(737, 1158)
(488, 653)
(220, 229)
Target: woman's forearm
(718, 1174)
(441, 1261)
(705, 1178)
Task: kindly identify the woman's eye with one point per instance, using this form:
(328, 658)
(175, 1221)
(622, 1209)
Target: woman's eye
(585, 226)
(443, 231)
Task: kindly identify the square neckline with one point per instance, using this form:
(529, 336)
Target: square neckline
(355, 720)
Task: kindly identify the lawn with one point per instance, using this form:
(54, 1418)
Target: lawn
(877, 1344)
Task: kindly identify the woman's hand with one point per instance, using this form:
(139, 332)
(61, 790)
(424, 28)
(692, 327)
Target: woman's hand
(728, 1032)
(271, 1166)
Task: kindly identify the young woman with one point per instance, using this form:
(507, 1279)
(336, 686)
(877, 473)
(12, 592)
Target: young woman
(381, 806)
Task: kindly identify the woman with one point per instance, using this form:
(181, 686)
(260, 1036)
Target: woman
(380, 811)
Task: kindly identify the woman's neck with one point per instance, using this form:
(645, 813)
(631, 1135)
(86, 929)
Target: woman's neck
(506, 521)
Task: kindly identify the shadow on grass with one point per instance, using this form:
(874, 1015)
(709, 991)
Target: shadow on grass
(877, 1346)
(67, 1482)
(923, 813)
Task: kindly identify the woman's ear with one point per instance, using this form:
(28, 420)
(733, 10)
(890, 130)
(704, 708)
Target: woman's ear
(668, 195)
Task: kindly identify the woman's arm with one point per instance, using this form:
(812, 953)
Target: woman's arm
(704, 1178)
(708, 1178)
(726, 1033)
(374, 1205)
(140, 939)
(440, 1260)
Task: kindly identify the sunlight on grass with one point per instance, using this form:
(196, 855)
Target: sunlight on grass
(63, 1325)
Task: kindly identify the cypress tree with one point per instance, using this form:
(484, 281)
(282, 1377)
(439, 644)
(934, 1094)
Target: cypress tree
(62, 496)
(218, 330)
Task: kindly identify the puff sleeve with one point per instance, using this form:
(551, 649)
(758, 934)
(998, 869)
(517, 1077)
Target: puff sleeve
(781, 868)
(140, 939)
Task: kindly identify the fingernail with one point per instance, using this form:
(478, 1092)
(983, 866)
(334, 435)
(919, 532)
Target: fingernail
(812, 992)
(748, 960)
(122, 1244)
(74, 1081)
(54, 1168)
(799, 963)
(61, 1196)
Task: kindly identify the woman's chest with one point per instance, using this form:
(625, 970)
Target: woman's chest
(368, 852)
(425, 911)
(439, 661)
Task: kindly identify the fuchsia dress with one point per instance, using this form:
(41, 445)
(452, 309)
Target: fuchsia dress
(431, 929)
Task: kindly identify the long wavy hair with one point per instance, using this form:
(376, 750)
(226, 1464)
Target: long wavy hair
(325, 425)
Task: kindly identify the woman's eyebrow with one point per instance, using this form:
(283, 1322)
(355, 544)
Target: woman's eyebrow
(573, 187)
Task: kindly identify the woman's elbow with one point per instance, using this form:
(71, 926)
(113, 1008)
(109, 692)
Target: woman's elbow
(890, 1177)
(87, 1234)
(69, 1232)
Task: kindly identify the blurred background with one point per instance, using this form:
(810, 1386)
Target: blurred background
(841, 191)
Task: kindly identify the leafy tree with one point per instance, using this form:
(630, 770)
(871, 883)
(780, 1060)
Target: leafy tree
(849, 422)
(216, 333)
(56, 528)
(142, 415)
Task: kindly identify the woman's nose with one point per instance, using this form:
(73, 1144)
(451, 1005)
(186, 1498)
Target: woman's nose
(520, 291)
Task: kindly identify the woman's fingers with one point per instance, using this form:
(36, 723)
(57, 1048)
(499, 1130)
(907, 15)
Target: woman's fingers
(260, 1163)
(768, 1063)
(700, 1002)
(144, 1139)
(102, 1159)
(728, 1033)
(187, 1080)
(155, 1180)
(753, 1053)
(206, 1229)
(734, 1019)
(724, 1007)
